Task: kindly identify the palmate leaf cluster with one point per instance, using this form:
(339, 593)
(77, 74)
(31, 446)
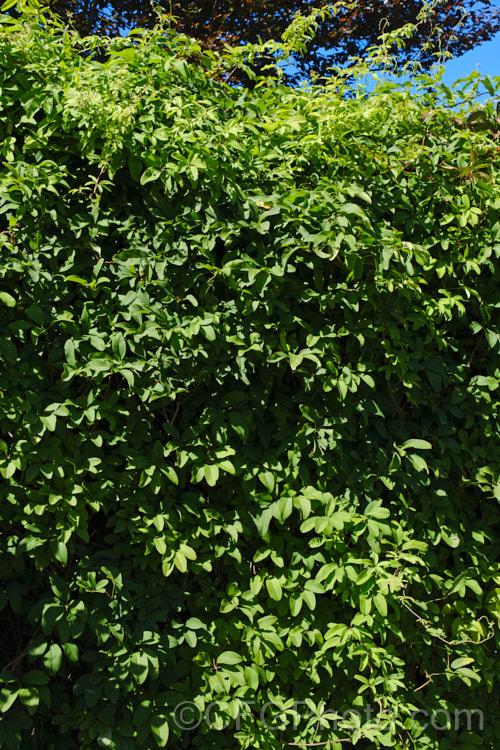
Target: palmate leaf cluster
(250, 361)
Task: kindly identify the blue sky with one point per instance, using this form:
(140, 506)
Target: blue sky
(484, 58)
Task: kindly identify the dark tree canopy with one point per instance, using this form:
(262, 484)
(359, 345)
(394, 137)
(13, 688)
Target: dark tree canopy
(351, 32)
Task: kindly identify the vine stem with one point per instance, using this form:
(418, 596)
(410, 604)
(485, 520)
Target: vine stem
(316, 744)
(435, 635)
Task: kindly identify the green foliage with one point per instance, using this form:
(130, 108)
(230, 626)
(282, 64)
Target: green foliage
(350, 30)
(250, 362)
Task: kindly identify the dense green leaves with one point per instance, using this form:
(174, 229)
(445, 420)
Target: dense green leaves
(250, 367)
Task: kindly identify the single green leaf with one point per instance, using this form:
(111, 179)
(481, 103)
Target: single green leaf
(29, 696)
(310, 598)
(52, 659)
(211, 472)
(61, 553)
(194, 623)
(7, 698)
(462, 661)
(5, 297)
(71, 652)
(35, 677)
(416, 443)
(229, 657)
(119, 346)
(77, 279)
(160, 729)
(274, 589)
(267, 479)
(35, 313)
(149, 175)
(380, 603)
(160, 544)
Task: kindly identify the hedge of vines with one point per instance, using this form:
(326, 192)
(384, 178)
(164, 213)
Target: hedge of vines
(250, 366)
